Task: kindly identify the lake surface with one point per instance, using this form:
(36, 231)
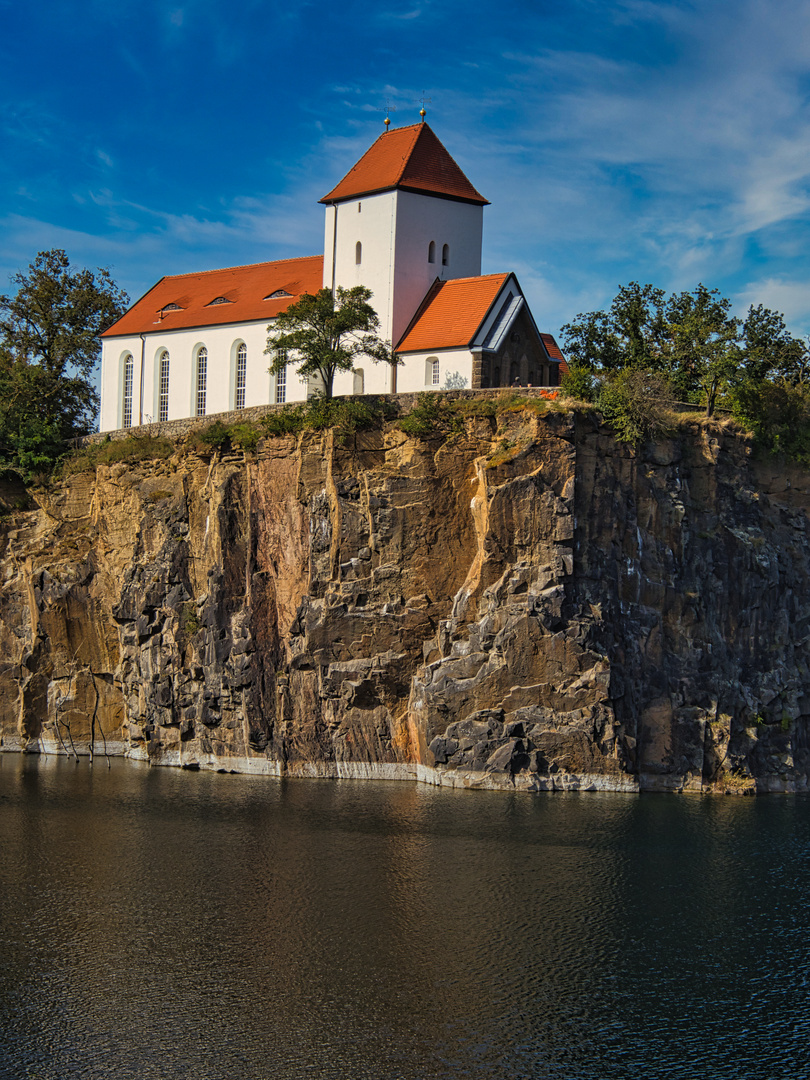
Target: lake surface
(165, 924)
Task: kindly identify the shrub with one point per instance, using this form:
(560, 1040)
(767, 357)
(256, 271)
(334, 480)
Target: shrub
(425, 418)
(778, 415)
(245, 436)
(133, 449)
(637, 404)
(287, 421)
(579, 383)
(215, 436)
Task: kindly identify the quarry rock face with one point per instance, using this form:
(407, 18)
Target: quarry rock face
(525, 603)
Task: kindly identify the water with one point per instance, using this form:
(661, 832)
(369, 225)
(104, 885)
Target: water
(165, 924)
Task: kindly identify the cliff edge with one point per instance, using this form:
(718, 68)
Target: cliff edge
(526, 603)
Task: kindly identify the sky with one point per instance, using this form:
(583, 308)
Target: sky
(637, 140)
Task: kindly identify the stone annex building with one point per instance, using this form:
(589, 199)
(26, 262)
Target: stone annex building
(405, 222)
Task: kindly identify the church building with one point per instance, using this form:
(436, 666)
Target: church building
(406, 223)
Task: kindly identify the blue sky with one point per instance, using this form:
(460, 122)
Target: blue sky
(661, 142)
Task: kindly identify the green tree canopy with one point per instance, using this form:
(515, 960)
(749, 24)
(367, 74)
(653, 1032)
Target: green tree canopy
(321, 334)
(631, 332)
(49, 348)
(691, 337)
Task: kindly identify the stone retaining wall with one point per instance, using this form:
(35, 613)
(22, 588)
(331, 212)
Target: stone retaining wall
(175, 429)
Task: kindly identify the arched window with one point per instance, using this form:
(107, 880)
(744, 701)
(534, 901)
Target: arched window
(241, 373)
(358, 253)
(202, 378)
(359, 381)
(432, 251)
(163, 392)
(432, 371)
(126, 412)
(446, 255)
(281, 386)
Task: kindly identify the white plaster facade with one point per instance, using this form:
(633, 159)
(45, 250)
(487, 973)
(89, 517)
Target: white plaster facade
(183, 346)
(395, 231)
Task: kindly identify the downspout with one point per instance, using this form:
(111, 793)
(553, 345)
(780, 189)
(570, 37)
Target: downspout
(140, 393)
(334, 247)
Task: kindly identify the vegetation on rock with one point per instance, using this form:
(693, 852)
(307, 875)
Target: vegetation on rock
(689, 347)
(49, 348)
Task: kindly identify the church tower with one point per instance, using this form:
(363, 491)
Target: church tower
(404, 216)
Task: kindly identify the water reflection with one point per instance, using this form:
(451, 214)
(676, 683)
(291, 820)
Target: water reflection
(166, 924)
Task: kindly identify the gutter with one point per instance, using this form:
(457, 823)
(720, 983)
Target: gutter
(140, 392)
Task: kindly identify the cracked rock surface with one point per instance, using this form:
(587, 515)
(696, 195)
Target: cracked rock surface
(535, 606)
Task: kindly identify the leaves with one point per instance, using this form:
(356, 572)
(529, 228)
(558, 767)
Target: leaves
(691, 337)
(49, 347)
(322, 334)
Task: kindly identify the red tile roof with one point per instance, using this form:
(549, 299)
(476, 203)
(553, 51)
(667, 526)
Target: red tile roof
(409, 158)
(553, 350)
(451, 313)
(244, 286)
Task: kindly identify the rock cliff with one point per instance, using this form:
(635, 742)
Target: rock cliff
(524, 603)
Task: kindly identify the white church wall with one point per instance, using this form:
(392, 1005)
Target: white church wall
(417, 371)
(368, 221)
(421, 220)
(395, 230)
(221, 342)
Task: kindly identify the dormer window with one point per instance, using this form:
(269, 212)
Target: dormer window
(219, 300)
(279, 294)
(167, 308)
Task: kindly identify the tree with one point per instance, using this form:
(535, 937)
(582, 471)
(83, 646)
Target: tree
(630, 333)
(322, 334)
(703, 348)
(49, 347)
(769, 349)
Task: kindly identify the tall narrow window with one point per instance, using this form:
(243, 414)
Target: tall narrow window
(202, 379)
(434, 373)
(358, 253)
(281, 386)
(446, 255)
(163, 396)
(241, 372)
(129, 367)
(432, 251)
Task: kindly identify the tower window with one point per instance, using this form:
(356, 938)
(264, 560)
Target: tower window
(241, 372)
(129, 366)
(163, 396)
(202, 379)
(432, 251)
(359, 208)
(358, 253)
(446, 255)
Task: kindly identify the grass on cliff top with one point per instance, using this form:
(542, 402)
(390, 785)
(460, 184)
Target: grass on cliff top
(434, 416)
(135, 448)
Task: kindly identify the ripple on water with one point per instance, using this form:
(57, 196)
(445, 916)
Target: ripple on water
(165, 924)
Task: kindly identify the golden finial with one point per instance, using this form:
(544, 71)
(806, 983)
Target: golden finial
(389, 108)
(424, 101)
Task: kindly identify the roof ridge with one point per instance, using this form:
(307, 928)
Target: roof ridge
(477, 277)
(240, 266)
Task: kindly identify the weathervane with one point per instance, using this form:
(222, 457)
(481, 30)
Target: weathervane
(389, 108)
(424, 101)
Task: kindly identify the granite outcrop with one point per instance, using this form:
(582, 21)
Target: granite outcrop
(519, 602)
